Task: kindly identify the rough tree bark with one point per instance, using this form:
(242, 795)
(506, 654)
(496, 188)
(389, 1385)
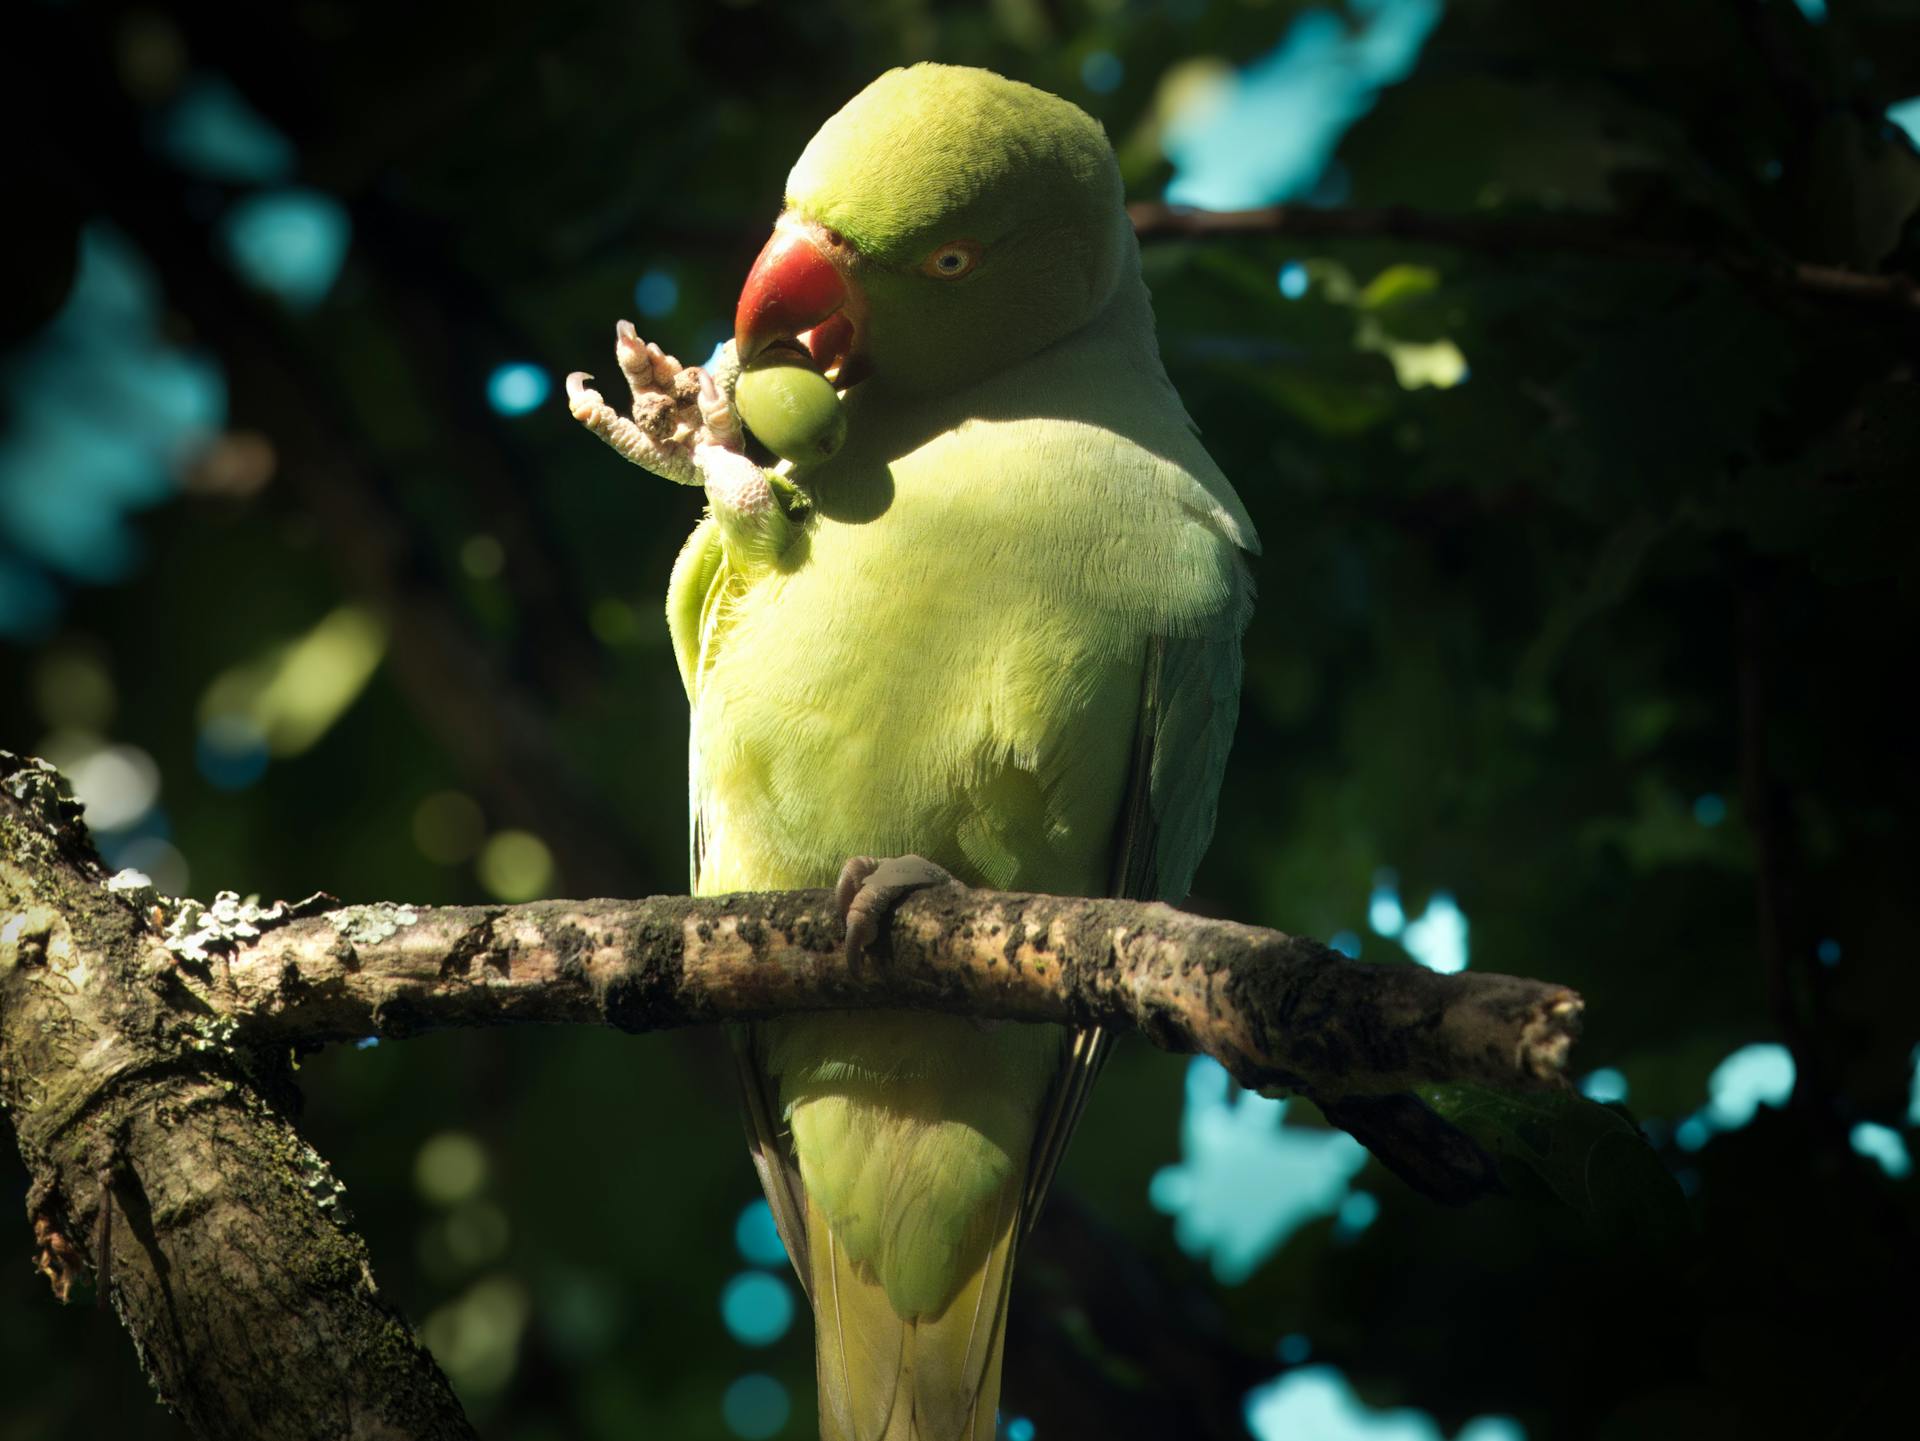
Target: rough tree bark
(143, 1050)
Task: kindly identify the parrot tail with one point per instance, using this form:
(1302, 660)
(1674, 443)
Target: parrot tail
(929, 1378)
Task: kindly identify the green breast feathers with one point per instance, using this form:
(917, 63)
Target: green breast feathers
(948, 650)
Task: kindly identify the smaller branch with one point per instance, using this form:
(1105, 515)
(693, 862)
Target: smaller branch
(1510, 234)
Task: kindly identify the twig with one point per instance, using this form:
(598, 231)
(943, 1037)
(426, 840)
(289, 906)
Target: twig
(1596, 236)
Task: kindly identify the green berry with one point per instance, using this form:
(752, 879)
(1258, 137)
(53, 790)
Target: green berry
(790, 407)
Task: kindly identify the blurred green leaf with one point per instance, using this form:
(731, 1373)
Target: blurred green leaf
(1590, 1157)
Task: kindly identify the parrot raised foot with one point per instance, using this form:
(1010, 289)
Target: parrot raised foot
(681, 417)
(870, 888)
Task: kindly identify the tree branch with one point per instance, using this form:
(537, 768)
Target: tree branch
(1277, 1011)
(155, 1137)
(143, 1045)
(1500, 235)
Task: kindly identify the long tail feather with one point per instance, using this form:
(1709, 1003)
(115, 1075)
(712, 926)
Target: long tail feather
(930, 1378)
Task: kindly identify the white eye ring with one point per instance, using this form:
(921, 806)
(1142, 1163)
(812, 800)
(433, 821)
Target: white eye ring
(952, 260)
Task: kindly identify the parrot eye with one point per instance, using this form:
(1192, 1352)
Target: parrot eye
(952, 260)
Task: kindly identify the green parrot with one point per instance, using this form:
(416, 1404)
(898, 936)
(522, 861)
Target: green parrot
(995, 632)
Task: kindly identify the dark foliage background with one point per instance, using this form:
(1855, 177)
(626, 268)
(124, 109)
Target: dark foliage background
(1604, 642)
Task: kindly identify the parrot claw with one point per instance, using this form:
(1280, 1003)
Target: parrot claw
(717, 413)
(581, 397)
(676, 411)
(869, 889)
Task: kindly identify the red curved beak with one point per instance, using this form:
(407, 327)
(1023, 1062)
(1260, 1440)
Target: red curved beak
(795, 293)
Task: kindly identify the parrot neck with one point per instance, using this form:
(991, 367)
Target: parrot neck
(1115, 354)
(1116, 346)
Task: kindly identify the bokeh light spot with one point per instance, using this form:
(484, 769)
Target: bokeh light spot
(116, 785)
(755, 1407)
(1316, 1403)
(757, 1308)
(28, 603)
(1020, 1428)
(1384, 913)
(1299, 99)
(450, 1168)
(1907, 116)
(657, 293)
(1492, 1428)
(477, 1232)
(292, 693)
(1883, 1144)
(1828, 952)
(1294, 1348)
(1246, 1182)
(515, 866)
(518, 387)
(73, 690)
(150, 55)
(68, 479)
(231, 752)
(1294, 280)
(581, 1311)
(290, 243)
(1710, 809)
(1753, 1075)
(212, 130)
(614, 622)
(448, 827)
(477, 1337)
(1438, 363)
(1604, 1085)
(235, 464)
(1102, 71)
(1347, 943)
(1356, 1213)
(482, 556)
(1438, 940)
(756, 1236)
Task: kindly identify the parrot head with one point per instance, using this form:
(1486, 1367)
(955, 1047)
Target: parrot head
(946, 223)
